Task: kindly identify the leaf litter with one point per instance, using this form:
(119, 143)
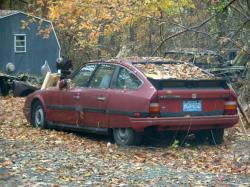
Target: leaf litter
(30, 156)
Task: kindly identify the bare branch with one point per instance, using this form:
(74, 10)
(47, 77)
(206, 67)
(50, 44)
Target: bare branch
(23, 1)
(236, 32)
(192, 28)
(177, 24)
(183, 31)
(248, 5)
(236, 44)
(240, 12)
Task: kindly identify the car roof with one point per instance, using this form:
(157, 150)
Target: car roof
(131, 60)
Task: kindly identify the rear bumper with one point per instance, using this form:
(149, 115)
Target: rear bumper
(185, 123)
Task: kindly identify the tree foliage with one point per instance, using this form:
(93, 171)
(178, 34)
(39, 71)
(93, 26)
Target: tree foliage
(89, 29)
(90, 25)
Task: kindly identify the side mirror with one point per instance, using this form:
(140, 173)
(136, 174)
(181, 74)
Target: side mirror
(63, 84)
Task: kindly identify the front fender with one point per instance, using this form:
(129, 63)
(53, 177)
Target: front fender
(30, 99)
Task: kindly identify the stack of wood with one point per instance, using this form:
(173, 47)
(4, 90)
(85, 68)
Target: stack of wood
(184, 71)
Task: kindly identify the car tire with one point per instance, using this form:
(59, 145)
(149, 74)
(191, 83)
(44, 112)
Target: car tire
(215, 136)
(201, 136)
(126, 136)
(38, 117)
(4, 88)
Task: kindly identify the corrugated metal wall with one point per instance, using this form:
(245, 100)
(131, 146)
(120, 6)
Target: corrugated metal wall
(38, 49)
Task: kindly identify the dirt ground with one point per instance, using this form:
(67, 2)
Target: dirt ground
(33, 157)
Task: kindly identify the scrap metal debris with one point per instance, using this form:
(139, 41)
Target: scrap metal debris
(20, 85)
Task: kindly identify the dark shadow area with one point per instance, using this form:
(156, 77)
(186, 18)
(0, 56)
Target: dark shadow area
(150, 138)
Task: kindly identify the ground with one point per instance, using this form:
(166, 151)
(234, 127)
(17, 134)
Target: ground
(33, 157)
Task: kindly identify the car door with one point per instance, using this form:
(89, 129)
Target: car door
(71, 98)
(63, 106)
(95, 97)
(65, 103)
(126, 98)
(69, 106)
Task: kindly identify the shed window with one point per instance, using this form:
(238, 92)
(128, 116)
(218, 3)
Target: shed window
(20, 43)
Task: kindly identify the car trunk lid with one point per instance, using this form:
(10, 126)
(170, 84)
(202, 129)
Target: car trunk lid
(179, 98)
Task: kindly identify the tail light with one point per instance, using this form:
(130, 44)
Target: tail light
(154, 109)
(230, 108)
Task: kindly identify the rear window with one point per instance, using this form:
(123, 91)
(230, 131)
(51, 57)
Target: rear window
(127, 80)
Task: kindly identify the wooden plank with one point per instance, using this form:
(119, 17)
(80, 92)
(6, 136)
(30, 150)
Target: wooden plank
(241, 108)
(50, 80)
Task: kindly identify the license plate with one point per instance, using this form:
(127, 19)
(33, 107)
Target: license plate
(192, 106)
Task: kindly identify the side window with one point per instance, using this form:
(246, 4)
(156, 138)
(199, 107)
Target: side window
(127, 80)
(20, 43)
(81, 79)
(102, 76)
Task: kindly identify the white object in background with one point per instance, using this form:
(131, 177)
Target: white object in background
(10, 67)
(45, 68)
(59, 60)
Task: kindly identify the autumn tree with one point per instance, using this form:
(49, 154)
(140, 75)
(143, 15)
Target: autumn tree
(100, 28)
(89, 29)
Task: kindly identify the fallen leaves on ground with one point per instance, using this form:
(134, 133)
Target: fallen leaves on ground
(103, 159)
(184, 71)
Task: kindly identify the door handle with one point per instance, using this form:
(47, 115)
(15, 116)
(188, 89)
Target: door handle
(76, 97)
(101, 98)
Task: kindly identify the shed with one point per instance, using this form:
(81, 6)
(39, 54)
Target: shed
(25, 47)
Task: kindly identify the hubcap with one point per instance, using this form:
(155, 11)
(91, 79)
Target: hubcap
(39, 117)
(122, 134)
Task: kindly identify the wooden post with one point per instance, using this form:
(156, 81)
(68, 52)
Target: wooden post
(241, 108)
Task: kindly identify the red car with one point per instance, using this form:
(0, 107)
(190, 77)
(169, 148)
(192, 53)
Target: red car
(117, 96)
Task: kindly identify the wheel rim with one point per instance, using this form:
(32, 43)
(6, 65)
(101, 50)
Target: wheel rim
(122, 134)
(39, 117)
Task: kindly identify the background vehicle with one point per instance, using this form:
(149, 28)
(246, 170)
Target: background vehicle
(125, 97)
(20, 85)
(211, 61)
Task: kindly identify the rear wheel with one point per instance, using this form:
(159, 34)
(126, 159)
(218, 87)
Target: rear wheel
(216, 136)
(126, 136)
(201, 136)
(38, 118)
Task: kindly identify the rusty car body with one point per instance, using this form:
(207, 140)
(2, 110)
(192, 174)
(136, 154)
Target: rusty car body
(116, 97)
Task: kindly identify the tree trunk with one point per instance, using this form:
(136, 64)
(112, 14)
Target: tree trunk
(150, 45)
(100, 41)
(132, 38)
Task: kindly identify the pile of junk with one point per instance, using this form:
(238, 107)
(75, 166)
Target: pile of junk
(22, 84)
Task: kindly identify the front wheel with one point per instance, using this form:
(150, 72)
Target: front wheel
(216, 136)
(38, 118)
(126, 136)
